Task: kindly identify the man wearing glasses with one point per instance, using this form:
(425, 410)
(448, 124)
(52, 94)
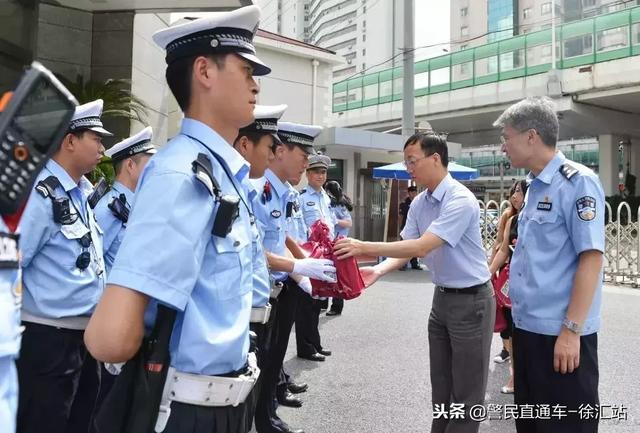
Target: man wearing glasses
(443, 225)
(63, 277)
(555, 280)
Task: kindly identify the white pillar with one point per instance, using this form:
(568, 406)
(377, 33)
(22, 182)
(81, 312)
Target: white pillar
(608, 163)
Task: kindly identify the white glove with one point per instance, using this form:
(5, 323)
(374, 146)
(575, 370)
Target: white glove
(318, 269)
(305, 285)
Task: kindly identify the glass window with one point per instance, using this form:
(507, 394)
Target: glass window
(339, 98)
(463, 47)
(464, 31)
(464, 12)
(421, 80)
(439, 76)
(397, 85)
(354, 94)
(486, 66)
(612, 39)
(578, 46)
(386, 89)
(538, 55)
(463, 71)
(588, 3)
(526, 13)
(370, 91)
(635, 31)
(512, 60)
(545, 8)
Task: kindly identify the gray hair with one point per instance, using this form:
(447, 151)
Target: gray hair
(532, 113)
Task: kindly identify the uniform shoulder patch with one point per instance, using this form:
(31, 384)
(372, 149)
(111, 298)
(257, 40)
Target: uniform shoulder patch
(568, 170)
(586, 208)
(47, 186)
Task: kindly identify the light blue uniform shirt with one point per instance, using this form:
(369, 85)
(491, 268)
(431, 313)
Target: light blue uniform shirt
(561, 218)
(296, 228)
(271, 216)
(315, 206)
(340, 212)
(54, 287)
(450, 212)
(112, 227)
(170, 254)
(261, 283)
(9, 335)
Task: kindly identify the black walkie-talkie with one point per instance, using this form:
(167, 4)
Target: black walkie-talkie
(32, 124)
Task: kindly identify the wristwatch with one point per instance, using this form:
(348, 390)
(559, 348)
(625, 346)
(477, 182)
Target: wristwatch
(572, 326)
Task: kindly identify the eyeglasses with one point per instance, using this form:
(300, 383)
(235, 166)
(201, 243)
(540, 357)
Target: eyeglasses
(411, 163)
(84, 259)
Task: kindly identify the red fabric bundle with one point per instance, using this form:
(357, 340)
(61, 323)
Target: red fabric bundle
(320, 246)
(501, 289)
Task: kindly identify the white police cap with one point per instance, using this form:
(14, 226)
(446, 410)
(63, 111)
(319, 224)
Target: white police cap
(87, 116)
(299, 134)
(138, 143)
(319, 161)
(219, 33)
(266, 120)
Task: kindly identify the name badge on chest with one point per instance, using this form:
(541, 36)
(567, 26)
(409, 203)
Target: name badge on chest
(545, 205)
(8, 251)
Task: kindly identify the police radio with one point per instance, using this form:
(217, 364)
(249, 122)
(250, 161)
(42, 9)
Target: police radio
(33, 120)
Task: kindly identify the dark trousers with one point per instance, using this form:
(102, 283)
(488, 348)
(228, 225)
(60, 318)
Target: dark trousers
(337, 304)
(307, 319)
(263, 332)
(266, 419)
(536, 383)
(50, 367)
(187, 418)
(460, 333)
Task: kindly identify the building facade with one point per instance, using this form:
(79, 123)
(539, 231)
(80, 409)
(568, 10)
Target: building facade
(363, 32)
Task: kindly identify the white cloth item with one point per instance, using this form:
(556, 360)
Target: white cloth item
(305, 285)
(318, 269)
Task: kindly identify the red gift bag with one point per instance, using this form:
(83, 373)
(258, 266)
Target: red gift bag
(500, 284)
(320, 246)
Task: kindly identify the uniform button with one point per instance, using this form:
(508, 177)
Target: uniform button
(236, 243)
(519, 274)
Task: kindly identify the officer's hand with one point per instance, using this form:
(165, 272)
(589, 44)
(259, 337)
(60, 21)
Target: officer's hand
(566, 354)
(348, 247)
(369, 275)
(318, 269)
(305, 285)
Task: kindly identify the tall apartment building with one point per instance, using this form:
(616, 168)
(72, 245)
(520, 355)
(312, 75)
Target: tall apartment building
(477, 22)
(364, 32)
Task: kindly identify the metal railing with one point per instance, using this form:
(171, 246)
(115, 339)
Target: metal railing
(622, 242)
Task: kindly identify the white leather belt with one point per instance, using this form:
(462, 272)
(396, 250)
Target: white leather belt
(276, 288)
(78, 323)
(201, 390)
(261, 314)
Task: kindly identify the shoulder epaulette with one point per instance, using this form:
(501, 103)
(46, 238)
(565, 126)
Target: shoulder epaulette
(99, 190)
(203, 171)
(46, 187)
(118, 207)
(568, 170)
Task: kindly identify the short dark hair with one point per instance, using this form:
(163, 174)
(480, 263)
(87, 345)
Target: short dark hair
(412, 188)
(179, 73)
(431, 143)
(117, 166)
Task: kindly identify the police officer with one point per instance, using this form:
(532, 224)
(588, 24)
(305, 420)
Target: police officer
(444, 225)
(556, 272)
(129, 157)
(271, 208)
(63, 277)
(10, 296)
(189, 236)
(315, 206)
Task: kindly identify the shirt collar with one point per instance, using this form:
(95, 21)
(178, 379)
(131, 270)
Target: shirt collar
(122, 189)
(238, 166)
(281, 188)
(65, 179)
(441, 189)
(546, 175)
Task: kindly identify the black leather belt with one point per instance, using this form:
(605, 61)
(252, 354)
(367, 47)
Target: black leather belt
(473, 290)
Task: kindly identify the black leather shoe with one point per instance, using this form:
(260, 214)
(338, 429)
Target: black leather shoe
(287, 399)
(333, 313)
(313, 357)
(324, 352)
(297, 388)
(288, 429)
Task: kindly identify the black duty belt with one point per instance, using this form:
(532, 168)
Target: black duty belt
(473, 290)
